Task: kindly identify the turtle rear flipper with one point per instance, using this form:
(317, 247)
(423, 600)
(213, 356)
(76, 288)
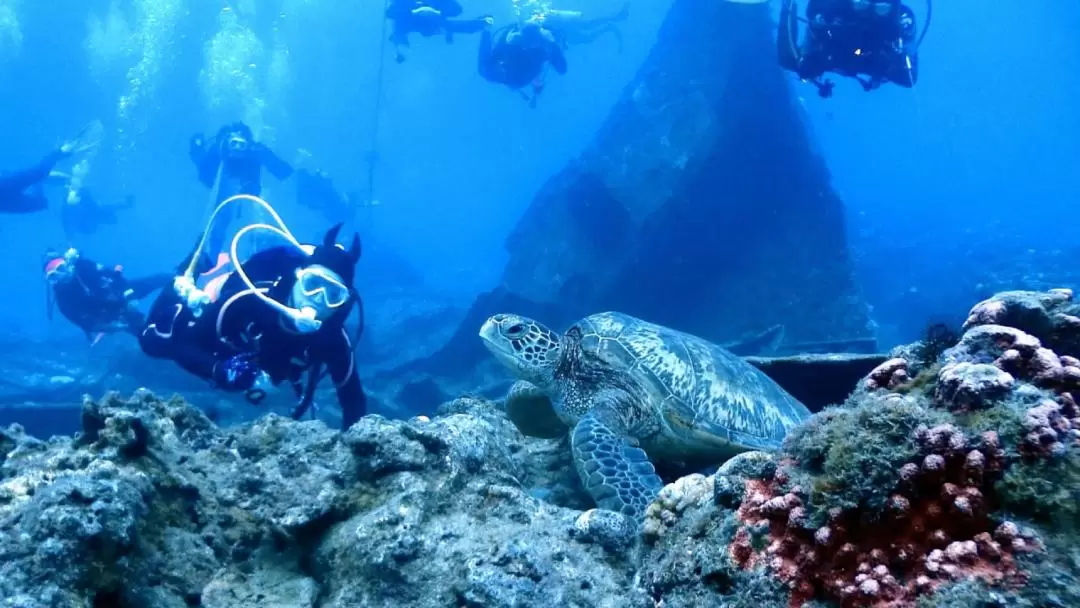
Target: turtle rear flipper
(617, 474)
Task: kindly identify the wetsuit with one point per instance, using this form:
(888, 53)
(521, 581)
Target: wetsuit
(514, 63)
(239, 335)
(428, 18)
(316, 190)
(572, 27)
(517, 63)
(98, 299)
(851, 43)
(86, 215)
(22, 192)
(241, 171)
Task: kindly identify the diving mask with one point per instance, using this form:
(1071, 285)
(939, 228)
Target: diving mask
(56, 269)
(237, 143)
(320, 288)
(61, 266)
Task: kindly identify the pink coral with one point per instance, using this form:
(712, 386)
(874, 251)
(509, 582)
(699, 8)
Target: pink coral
(936, 525)
(938, 530)
(1049, 431)
(888, 375)
(987, 312)
(890, 562)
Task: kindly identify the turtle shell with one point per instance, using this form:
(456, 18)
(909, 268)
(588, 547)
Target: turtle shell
(702, 392)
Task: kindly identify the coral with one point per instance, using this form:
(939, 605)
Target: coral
(675, 498)
(901, 495)
(938, 338)
(1053, 316)
(956, 487)
(888, 375)
(966, 386)
(854, 454)
(933, 531)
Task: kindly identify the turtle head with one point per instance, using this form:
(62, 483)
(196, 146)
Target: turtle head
(528, 348)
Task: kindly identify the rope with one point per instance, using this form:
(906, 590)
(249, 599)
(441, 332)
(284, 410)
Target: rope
(372, 155)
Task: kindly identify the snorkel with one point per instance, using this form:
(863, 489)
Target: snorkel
(303, 318)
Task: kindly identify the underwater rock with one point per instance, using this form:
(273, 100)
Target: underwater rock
(48, 372)
(152, 504)
(956, 487)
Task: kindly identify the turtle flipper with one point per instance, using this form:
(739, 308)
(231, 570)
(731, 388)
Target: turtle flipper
(531, 412)
(616, 473)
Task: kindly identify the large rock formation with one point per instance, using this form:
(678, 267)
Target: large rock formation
(701, 204)
(950, 481)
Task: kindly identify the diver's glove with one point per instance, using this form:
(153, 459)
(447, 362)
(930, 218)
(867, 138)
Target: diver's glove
(194, 298)
(237, 373)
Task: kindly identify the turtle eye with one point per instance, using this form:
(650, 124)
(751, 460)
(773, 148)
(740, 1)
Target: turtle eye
(515, 330)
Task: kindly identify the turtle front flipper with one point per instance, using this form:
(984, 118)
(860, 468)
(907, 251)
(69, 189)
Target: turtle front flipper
(614, 471)
(529, 408)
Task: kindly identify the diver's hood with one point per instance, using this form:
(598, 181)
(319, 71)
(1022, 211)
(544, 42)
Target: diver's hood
(238, 128)
(335, 257)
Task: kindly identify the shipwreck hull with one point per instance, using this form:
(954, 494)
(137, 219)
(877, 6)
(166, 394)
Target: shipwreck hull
(701, 204)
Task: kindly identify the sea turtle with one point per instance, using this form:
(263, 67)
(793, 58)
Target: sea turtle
(631, 390)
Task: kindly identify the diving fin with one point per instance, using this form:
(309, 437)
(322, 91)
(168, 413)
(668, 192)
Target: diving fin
(89, 138)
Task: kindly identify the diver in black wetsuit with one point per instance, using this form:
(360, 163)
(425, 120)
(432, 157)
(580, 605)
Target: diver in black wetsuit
(515, 56)
(428, 18)
(288, 320)
(234, 161)
(23, 191)
(315, 190)
(83, 214)
(574, 27)
(855, 38)
(97, 299)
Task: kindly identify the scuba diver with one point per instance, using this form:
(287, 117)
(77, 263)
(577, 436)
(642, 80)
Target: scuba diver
(428, 18)
(315, 190)
(273, 317)
(853, 38)
(97, 299)
(573, 27)
(23, 191)
(516, 56)
(82, 214)
(231, 163)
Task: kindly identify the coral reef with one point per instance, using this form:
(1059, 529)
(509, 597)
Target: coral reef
(954, 489)
(153, 505)
(952, 482)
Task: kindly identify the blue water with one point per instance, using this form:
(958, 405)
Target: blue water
(964, 176)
